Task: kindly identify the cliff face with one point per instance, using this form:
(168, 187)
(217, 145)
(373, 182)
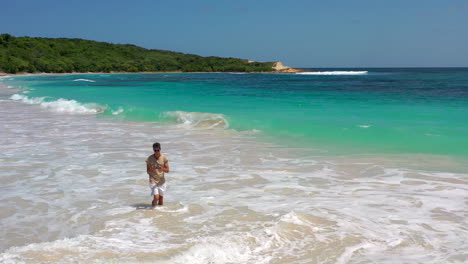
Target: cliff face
(279, 67)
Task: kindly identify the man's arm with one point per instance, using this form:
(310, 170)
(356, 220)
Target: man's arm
(166, 167)
(149, 167)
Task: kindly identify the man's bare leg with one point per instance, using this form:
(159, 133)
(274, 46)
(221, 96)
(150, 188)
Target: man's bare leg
(155, 200)
(161, 198)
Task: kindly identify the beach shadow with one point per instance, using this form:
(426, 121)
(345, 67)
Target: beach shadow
(166, 208)
(142, 206)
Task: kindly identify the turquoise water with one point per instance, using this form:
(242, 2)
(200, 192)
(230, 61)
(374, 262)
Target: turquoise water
(403, 111)
(341, 167)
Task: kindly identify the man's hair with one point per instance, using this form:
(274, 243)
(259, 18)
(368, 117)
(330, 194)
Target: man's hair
(156, 145)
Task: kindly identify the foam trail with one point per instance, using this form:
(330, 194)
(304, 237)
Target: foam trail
(61, 105)
(198, 119)
(335, 73)
(118, 111)
(83, 80)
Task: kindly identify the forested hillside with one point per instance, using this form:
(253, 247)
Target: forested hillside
(61, 55)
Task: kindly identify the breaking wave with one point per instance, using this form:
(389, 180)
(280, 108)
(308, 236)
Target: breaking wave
(61, 105)
(198, 119)
(334, 73)
(118, 111)
(83, 80)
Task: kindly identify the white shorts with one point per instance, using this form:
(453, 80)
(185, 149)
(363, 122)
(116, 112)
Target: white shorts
(157, 189)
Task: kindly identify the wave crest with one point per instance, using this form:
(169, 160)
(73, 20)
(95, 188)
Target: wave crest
(83, 80)
(61, 105)
(198, 119)
(335, 73)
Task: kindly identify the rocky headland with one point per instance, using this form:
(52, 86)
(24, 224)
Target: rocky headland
(279, 67)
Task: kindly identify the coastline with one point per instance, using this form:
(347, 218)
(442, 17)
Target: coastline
(277, 69)
(2, 74)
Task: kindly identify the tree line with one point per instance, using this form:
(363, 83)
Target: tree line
(64, 55)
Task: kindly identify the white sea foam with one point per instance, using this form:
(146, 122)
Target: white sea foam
(230, 199)
(334, 73)
(198, 120)
(118, 111)
(364, 126)
(60, 105)
(83, 80)
(229, 248)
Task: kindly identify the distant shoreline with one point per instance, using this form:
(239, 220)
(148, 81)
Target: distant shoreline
(73, 73)
(158, 72)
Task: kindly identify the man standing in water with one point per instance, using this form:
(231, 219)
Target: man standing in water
(156, 165)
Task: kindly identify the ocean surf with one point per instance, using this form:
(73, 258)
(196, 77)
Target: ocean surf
(74, 185)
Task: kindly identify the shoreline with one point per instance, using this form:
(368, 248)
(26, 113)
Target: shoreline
(3, 74)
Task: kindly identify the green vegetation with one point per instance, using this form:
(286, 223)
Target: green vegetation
(61, 55)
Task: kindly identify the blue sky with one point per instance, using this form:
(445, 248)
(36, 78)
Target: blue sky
(352, 33)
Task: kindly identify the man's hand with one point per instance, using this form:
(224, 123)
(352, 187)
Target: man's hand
(151, 167)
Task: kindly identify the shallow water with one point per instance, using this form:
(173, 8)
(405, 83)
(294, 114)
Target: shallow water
(74, 189)
(380, 111)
